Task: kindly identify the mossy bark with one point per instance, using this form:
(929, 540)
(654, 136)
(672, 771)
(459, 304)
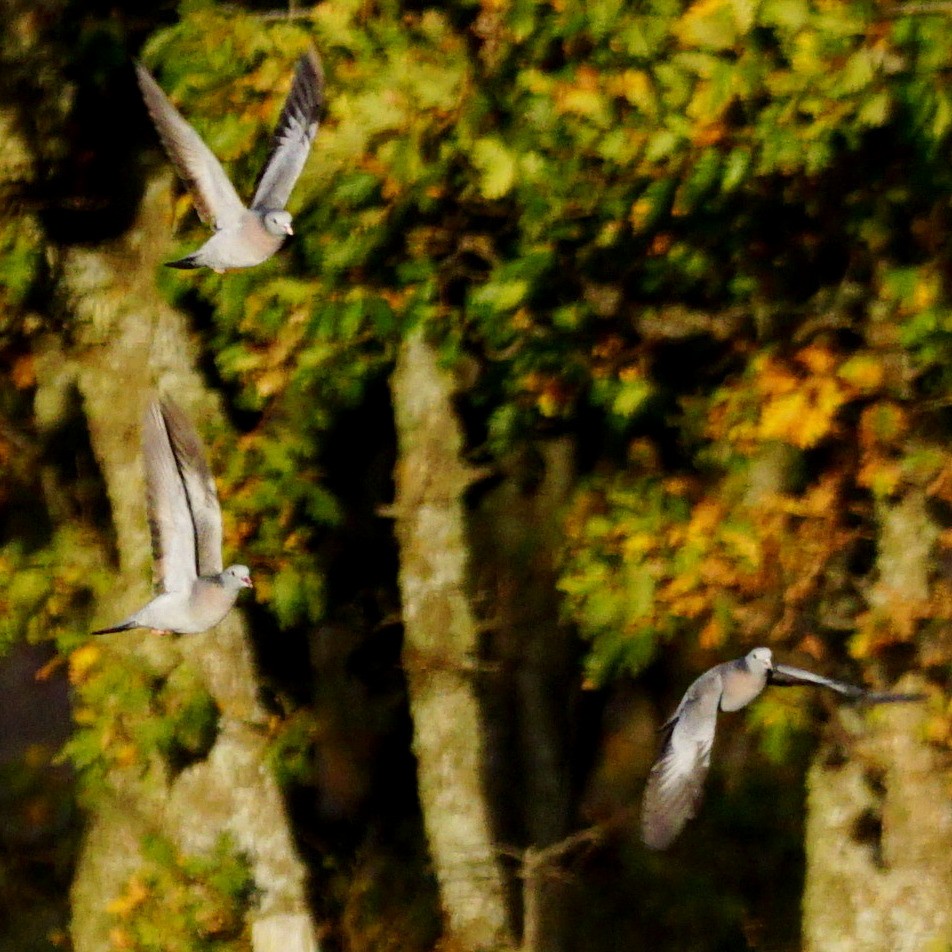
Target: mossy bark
(127, 342)
(879, 841)
(879, 823)
(440, 653)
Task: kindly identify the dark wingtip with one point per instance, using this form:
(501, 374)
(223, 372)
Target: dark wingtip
(887, 697)
(310, 64)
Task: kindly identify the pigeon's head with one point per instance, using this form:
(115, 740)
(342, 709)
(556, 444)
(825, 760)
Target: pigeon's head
(760, 659)
(278, 222)
(237, 576)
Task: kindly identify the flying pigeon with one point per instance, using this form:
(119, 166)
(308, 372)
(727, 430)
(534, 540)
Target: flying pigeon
(243, 236)
(185, 522)
(676, 782)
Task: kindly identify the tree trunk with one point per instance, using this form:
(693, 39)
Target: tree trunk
(440, 652)
(879, 842)
(126, 342)
(879, 822)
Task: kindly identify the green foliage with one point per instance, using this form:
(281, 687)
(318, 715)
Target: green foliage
(21, 259)
(129, 718)
(179, 903)
(715, 227)
(46, 594)
(616, 554)
(707, 239)
(782, 719)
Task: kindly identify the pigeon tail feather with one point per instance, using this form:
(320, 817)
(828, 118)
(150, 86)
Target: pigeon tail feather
(124, 626)
(189, 261)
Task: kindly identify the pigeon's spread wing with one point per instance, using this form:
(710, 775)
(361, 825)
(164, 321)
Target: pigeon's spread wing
(170, 519)
(784, 675)
(199, 485)
(293, 135)
(216, 200)
(676, 782)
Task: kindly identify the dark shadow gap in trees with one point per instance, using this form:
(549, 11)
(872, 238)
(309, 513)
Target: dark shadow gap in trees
(86, 145)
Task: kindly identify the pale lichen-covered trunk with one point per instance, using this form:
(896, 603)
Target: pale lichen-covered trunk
(441, 653)
(125, 341)
(879, 823)
(879, 842)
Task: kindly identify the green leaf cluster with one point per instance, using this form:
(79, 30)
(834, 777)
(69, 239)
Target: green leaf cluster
(184, 903)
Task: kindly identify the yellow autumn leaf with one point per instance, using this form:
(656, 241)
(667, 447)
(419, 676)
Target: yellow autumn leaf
(126, 755)
(718, 571)
(709, 24)
(926, 291)
(706, 515)
(637, 544)
(805, 417)
(828, 395)
(938, 730)
(496, 165)
(635, 86)
(880, 476)
(678, 587)
(781, 416)
(864, 372)
(82, 661)
(744, 544)
(640, 213)
(589, 103)
(84, 716)
(135, 894)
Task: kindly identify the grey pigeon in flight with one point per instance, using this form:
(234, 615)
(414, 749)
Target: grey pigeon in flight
(243, 236)
(676, 782)
(185, 522)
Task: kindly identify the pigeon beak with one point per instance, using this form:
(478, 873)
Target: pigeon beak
(246, 581)
(289, 229)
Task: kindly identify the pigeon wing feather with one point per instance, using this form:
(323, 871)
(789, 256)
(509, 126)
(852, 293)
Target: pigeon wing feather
(293, 135)
(785, 675)
(676, 782)
(170, 520)
(215, 198)
(199, 485)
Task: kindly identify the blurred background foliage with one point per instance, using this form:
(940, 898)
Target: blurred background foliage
(708, 241)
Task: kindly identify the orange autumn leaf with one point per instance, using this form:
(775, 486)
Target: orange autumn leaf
(774, 378)
(712, 634)
(23, 373)
(817, 359)
(881, 476)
